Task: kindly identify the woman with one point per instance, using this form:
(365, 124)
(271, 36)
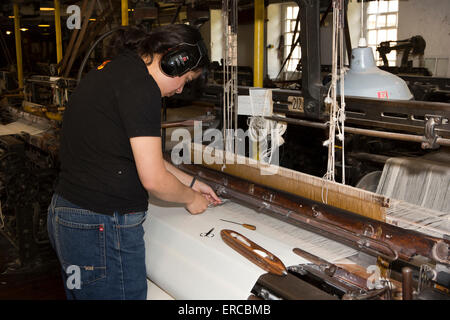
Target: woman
(111, 157)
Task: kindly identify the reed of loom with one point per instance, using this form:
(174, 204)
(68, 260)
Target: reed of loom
(362, 202)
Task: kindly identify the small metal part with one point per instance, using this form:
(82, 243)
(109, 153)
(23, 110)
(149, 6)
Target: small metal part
(430, 134)
(441, 252)
(424, 277)
(221, 190)
(315, 210)
(369, 230)
(208, 234)
(222, 202)
(264, 205)
(288, 213)
(251, 188)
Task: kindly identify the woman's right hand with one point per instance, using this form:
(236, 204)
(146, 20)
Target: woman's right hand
(198, 204)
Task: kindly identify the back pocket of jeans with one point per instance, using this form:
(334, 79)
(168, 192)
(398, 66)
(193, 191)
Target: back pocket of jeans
(81, 246)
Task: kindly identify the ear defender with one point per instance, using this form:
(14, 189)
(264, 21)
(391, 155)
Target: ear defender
(183, 58)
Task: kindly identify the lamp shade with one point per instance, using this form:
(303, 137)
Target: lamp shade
(365, 79)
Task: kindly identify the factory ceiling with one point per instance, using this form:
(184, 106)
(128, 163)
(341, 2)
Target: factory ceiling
(33, 13)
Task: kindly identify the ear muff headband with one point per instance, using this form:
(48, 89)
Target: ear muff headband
(183, 58)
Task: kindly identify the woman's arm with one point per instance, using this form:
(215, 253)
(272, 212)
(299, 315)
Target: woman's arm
(184, 178)
(199, 186)
(157, 180)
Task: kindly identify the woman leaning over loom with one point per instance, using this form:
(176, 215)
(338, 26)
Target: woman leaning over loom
(111, 157)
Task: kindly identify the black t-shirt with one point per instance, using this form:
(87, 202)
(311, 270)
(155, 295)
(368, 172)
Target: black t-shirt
(109, 106)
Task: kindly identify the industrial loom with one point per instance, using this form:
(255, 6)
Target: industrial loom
(284, 234)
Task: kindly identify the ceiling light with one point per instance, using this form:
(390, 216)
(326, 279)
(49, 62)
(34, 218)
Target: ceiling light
(43, 25)
(365, 79)
(8, 32)
(23, 29)
(46, 9)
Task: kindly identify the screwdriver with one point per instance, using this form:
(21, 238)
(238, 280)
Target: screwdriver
(245, 225)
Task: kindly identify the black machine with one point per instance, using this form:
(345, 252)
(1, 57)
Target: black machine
(414, 46)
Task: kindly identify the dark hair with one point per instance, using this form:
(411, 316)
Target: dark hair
(157, 41)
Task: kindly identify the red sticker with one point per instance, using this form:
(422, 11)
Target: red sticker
(382, 95)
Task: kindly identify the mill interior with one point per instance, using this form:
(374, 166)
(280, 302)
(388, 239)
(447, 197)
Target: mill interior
(323, 126)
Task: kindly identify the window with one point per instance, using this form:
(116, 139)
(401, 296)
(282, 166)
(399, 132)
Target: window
(382, 22)
(291, 12)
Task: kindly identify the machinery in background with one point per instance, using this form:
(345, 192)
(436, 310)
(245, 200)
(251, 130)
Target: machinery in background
(434, 89)
(414, 46)
(419, 80)
(27, 175)
(29, 167)
(244, 73)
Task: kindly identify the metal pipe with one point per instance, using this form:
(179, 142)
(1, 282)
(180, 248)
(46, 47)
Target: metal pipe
(369, 157)
(18, 45)
(407, 283)
(258, 50)
(124, 12)
(365, 132)
(59, 52)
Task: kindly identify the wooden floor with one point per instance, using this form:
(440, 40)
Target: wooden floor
(37, 281)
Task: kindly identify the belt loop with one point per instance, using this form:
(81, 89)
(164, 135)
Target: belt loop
(116, 218)
(53, 202)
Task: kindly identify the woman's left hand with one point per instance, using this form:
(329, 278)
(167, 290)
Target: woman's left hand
(207, 192)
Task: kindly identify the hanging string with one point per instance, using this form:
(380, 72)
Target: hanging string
(336, 110)
(341, 110)
(230, 86)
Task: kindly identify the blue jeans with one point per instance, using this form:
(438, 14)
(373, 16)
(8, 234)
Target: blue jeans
(102, 256)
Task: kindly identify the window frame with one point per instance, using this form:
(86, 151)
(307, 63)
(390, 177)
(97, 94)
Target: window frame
(392, 56)
(291, 64)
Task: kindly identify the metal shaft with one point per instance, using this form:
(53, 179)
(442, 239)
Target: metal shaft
(407, 283)
(365, 132)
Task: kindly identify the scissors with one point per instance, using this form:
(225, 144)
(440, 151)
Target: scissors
(208, 234)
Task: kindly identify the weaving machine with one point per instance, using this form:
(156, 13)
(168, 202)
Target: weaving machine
(326, 252)
(314, 238)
